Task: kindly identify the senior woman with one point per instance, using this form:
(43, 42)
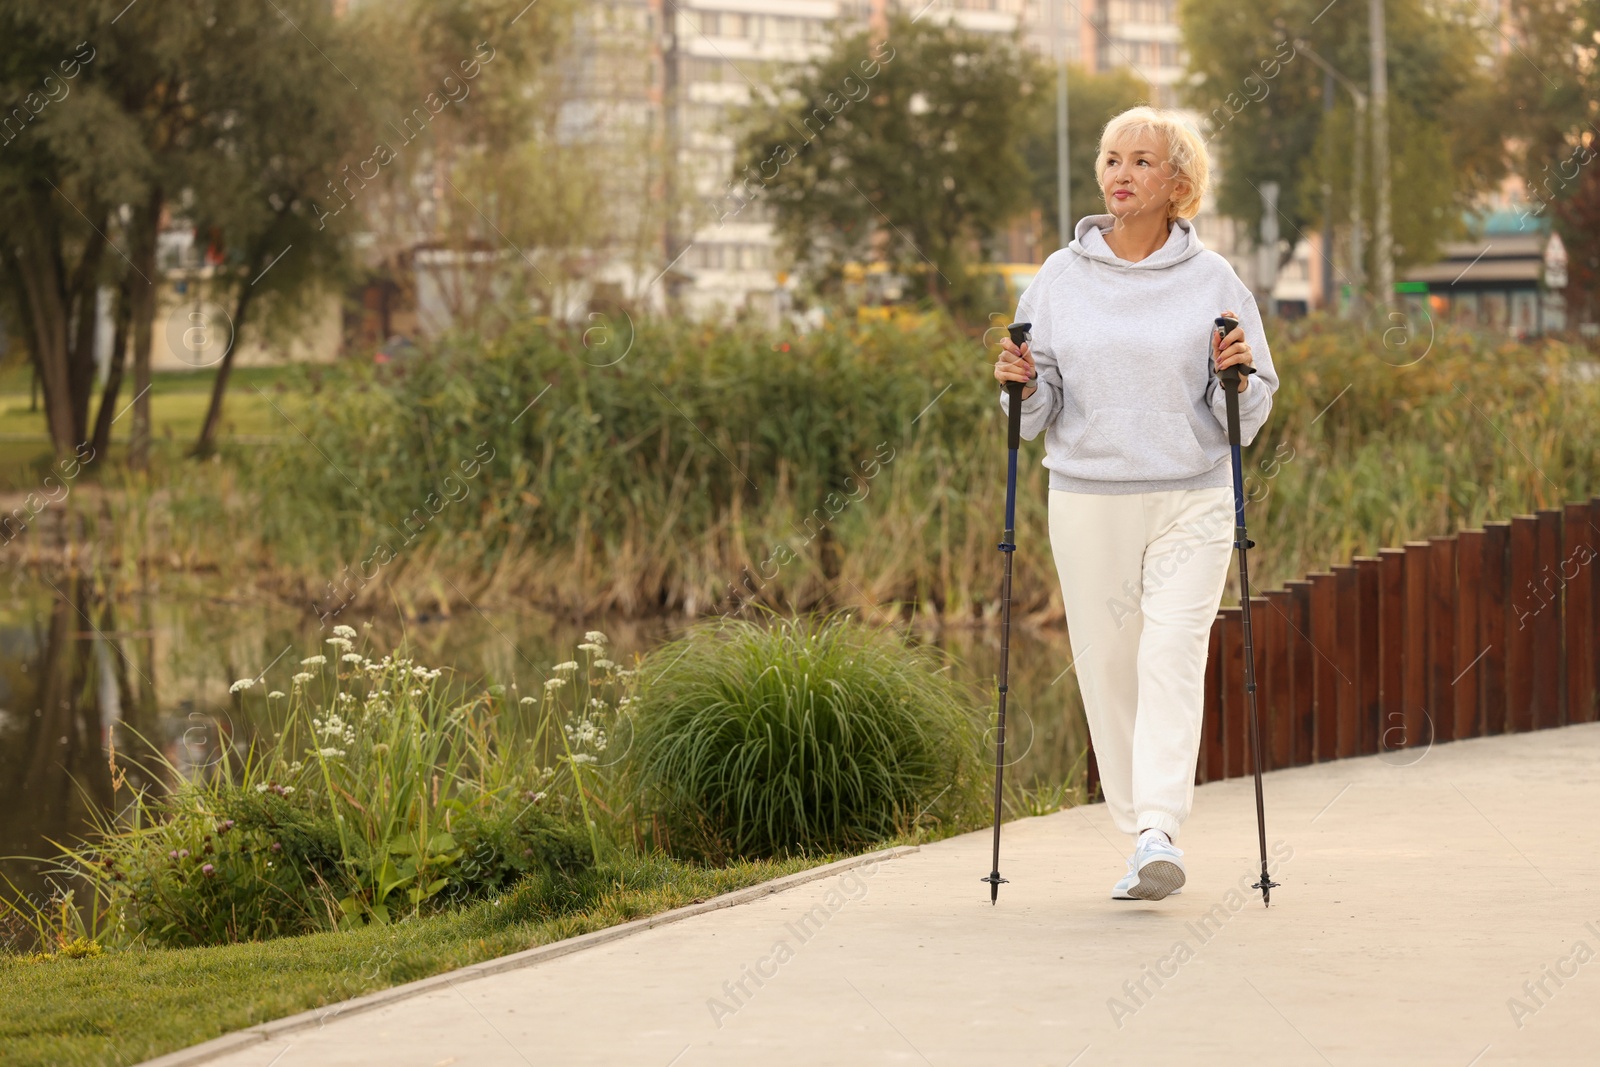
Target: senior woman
(1119, 375)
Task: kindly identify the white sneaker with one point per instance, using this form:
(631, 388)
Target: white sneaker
(1156, 869)
(1123, 889)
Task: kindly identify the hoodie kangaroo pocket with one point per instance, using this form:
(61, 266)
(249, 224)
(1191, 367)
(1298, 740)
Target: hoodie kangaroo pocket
(1136, 444)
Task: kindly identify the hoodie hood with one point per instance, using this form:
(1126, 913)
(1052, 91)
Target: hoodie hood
(1182, 244)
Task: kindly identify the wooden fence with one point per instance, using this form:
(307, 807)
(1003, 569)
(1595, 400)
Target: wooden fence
(1482, 632)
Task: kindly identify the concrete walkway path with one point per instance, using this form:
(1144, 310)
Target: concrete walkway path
(1436, 912)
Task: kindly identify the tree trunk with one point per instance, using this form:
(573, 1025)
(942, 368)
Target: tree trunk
(84, 299)
(144, 313)
(208, 431)
(58, 313)
(36, 265)
(119, 359)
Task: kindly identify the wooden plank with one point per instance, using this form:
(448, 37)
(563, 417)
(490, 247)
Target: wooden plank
(1303, 702)
(1465, 718)
(1594, 600)
(1578, 540)
(1391, 647)
(1523, 611)
(1368, 653)
(1324, 667)
(1416, 726)
(1348, 731)
(1441, 638)
(1277, 738)
(1548, 670)
(1209, 765)
(1493, 612)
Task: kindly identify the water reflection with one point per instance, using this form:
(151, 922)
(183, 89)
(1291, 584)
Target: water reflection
(83, 674)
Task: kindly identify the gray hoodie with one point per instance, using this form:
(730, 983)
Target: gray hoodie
(1126, 392)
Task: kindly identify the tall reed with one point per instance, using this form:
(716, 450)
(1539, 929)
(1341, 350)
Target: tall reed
(709, 467)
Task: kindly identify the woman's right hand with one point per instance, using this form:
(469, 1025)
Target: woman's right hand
(1016, 365)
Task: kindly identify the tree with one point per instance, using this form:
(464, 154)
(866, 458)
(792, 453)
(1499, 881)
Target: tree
(1264, 116)
(909, 147)
(1550, 90)
(66, 162)
(1578, 214)
(1093, 100)
(487, 179)
(257, 125)
(278, 130)
(164, 108)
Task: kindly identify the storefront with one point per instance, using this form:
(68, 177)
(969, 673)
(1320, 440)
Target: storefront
(1505, 283)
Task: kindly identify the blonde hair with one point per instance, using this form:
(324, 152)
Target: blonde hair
(1186, 152)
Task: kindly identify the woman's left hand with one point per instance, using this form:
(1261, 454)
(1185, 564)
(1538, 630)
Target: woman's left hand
(1233, 350)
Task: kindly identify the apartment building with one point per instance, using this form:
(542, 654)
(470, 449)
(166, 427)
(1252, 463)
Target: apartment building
(676, 74)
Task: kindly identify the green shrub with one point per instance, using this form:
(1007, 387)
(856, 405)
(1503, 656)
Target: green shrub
(808, 734)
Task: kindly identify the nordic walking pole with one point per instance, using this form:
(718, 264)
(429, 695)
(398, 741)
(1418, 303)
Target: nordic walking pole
(1230, 378)
(1019, 337)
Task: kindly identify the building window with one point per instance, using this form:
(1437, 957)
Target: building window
(1493, 311)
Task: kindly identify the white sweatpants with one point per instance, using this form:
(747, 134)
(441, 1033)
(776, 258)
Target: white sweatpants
(1142, 576)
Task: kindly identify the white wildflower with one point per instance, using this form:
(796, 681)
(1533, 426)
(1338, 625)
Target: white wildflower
(241, 684)
(330, 753)
(596, 636)
(261, 787)
(344, 631)
(352, 657)
(604, 664)
(552, 684)
(341, 643)
(567, 666)
(526, 700)
(302, 678)
(313, 661)
(584, 757)
(590, 646)
(276, 694)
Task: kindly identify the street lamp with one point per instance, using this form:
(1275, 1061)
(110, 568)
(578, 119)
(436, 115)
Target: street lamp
(1358, 284)
(1063, 169)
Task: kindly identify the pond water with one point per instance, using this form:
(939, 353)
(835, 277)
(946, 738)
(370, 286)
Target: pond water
(82, 673)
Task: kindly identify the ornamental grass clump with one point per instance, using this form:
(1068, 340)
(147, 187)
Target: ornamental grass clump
(389, 792)
(804, 735)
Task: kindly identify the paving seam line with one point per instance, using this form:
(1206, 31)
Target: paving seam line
(220, 1046)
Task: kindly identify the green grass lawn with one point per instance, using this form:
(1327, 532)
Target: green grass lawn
(125, 1007)
(178, 404)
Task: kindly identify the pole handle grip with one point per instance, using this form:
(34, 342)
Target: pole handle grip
(1019, 336)
(1229, 376)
